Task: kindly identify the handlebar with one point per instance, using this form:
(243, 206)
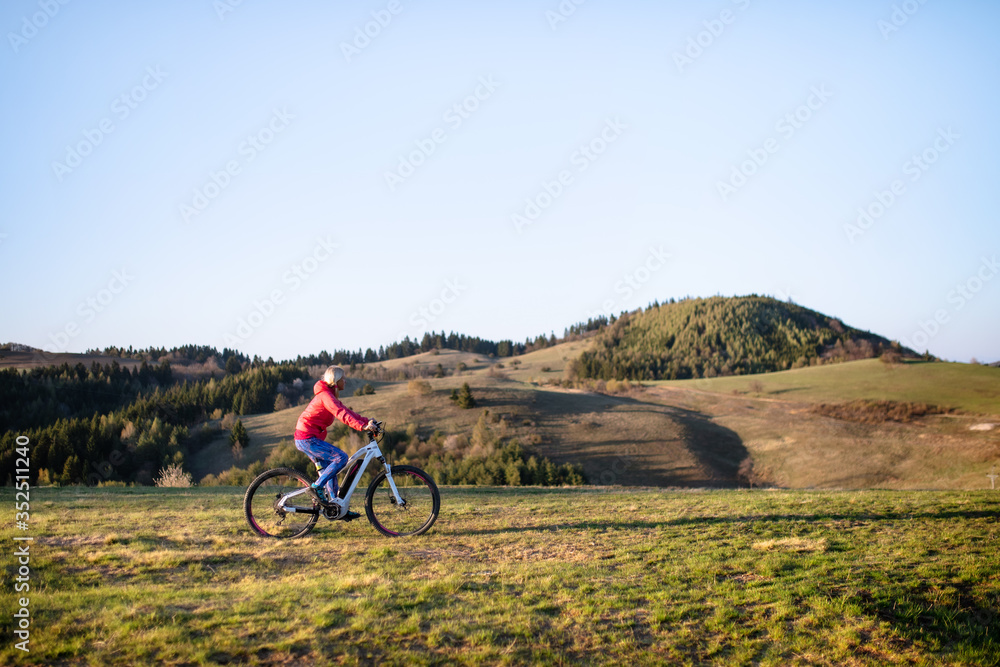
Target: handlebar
(376, 433)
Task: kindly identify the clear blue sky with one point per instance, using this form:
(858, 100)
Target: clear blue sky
(731, 167)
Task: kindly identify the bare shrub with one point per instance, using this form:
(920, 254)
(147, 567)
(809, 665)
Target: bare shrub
(749, 474)
(456, 443)
(418, 387)
(891, 358)
(173, 476)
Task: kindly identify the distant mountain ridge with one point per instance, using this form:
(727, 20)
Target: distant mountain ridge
(690, 338)
(696, 338)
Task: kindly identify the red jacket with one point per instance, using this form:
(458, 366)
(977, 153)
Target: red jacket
(320, 413)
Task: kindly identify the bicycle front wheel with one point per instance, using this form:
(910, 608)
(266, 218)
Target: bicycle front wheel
(418, 511)
(266, 518)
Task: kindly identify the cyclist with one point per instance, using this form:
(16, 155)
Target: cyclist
(310, 432)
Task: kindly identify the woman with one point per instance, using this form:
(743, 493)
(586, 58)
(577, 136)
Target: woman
(310, 431)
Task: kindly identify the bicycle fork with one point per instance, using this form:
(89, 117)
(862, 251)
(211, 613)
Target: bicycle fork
(392, 485)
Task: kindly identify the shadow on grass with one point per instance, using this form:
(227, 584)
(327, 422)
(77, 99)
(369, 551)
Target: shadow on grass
(787, 390)
(749, 518)
(964, 623)
(684, 449)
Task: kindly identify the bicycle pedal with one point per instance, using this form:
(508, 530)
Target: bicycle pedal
(350, 516)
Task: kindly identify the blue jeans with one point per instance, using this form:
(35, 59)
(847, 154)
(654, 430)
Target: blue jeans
(328, 459)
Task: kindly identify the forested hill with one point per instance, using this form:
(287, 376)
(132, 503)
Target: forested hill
(696, 338)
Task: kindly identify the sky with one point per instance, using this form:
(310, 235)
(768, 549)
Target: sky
(284, 178)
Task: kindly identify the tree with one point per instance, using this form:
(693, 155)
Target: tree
(239, 433)
(463, 397)
(233, 366)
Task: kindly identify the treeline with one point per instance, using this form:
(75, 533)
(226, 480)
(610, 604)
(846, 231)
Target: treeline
(430, 341)
(195, 353)
(696, 338)
(405, 348)
(158, 428)
(42, 395)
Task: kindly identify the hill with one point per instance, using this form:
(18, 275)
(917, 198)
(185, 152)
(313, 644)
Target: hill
(696, 338)
(796, 440)
(855, 424)
(966, 388)
(762, 429)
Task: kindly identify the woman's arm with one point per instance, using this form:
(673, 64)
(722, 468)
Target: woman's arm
(343, 413)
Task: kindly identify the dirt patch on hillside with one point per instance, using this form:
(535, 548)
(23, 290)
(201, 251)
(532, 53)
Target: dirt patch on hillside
(878, 412)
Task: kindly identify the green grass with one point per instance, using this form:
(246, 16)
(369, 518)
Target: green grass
(526, 576)
(961, 386)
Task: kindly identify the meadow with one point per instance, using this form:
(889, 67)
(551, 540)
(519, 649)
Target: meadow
(583, 576)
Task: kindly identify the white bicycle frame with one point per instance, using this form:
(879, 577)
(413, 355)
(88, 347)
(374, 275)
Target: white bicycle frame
(368, 452)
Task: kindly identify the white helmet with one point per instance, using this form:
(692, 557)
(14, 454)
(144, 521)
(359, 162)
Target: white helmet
(333, 375)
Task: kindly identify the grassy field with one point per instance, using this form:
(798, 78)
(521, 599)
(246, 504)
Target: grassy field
(965, 387)
(519, 576)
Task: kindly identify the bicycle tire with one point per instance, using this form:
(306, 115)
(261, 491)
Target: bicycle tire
(262, 495)
(420, 495)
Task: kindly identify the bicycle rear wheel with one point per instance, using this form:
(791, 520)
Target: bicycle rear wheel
(260, 504)
(418, 511)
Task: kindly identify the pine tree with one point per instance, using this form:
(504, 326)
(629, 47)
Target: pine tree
(463, 397)
(239, 434)
(233, 366)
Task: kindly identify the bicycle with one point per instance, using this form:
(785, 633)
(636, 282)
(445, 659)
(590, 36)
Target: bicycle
(400, 501)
